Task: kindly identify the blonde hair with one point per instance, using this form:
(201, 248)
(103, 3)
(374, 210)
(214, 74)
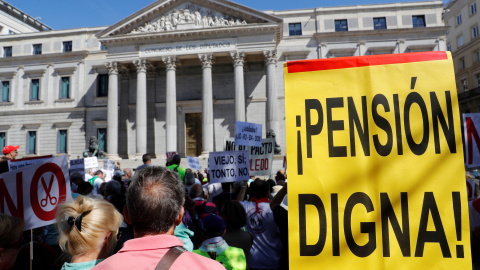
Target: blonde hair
(99, 218)
(10, 229)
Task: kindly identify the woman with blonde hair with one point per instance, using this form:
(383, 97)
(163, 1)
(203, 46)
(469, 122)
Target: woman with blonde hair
(88, 231)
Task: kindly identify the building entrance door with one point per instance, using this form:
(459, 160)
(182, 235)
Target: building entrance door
(193, 132)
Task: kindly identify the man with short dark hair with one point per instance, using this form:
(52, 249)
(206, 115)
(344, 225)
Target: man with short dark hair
(147, 162)
(96, 181)
(155, 201)
(202, 207)
(176, 159)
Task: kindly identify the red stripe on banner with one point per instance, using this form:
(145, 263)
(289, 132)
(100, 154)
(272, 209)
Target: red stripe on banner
(363, 61)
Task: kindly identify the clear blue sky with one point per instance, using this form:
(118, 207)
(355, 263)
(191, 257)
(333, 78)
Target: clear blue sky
(66, 14)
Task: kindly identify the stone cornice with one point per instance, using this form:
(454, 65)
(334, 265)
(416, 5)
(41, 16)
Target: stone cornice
(45, 58)
(193, 33)
(440, 30)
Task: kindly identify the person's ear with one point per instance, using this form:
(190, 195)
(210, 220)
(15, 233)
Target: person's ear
(179, 218)
(126, 215)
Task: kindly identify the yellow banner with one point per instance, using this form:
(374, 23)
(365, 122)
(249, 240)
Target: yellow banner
(375, 164)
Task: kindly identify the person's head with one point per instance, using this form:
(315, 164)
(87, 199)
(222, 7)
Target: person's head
(88, 226)
(160, 193)
(117, 175)
(176, 159)
(11, 238)
(127, 172)
(112, 188)
(84, 188)
(10, 151)
(196, 191)
(99, 174)
(234, 215)
(280, 175)
(259, 189)
(189, 179)
(213, 226)
(76, 178)
(147, 159)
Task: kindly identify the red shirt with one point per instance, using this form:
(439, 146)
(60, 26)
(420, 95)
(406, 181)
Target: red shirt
(144, 254)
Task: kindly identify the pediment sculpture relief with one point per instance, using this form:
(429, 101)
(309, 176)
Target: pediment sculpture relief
(189, 16)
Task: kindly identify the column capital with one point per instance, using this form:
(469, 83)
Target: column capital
(124, 72)
(170, 62)
(112, 68)
(141, 65)
(81, 61)
(207, 60)
(50, 65)
(270, 57)
(401, 41)
(238, 58)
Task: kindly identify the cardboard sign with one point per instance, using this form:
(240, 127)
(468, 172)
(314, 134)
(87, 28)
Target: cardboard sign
(248, 134)
(228, 166)
(78, 165)
(91, 162)
(471, 128)
(17, 164)
(170, 154)
(33, 193)
(194, 163)
(261, 158)
(375, 164)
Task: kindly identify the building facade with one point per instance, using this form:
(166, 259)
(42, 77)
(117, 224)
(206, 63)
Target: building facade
(461, 16)
(176, 75)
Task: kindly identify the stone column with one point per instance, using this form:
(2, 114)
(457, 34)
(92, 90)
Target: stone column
(441, 46)
(272, 111)
(171, 104)
(112, 110)
(141, 107)
(238, 61)
(361, 48)
(323, 50)
(207, 105)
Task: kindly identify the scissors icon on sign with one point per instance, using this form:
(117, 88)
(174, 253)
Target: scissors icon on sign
(53, 200)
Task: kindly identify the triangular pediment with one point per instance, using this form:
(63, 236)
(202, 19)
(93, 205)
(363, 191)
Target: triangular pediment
(170, 16)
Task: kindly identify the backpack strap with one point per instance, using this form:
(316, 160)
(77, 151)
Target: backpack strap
(169, 258)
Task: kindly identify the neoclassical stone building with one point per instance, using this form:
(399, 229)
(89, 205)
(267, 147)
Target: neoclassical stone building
(176, 75)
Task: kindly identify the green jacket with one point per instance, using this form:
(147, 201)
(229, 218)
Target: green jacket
(179, 170)
(232, 259)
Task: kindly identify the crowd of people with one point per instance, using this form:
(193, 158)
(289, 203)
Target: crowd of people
(155, 217)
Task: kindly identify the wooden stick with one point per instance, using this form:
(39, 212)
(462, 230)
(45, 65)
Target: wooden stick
(31, 249)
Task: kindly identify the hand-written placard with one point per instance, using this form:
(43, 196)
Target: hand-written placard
(78, 165)
(261, 158)
(194, 163)
(228, 166)
(248, 134)
(91, 162)
(108, 168)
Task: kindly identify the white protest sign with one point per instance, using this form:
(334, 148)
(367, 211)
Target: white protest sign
(194, 163)
(108, 169)
(261, 158)
(228, 166)
(17, 164)
(91, 162)
(33, 193)
(170, 154)
(248, 134)
(78, 165)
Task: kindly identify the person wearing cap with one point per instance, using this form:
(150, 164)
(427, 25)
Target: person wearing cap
(10, 152)
(216, 248)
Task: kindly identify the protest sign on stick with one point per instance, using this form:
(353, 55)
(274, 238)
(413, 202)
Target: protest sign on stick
(249, 134)
(194, 163)
(78, 165)
(471, 129)
(375, 164)
(228, 166)
(33, 193)
(261, 157)
(91, 162)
